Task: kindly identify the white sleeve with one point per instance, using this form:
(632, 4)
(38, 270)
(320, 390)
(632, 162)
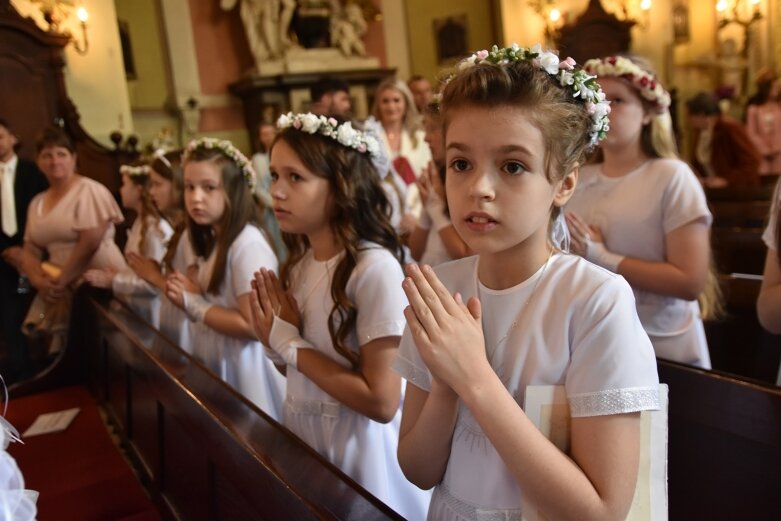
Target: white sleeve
(126, 282)
(379, 299)
(771, 232)
(612, 367)
(249, 255)
(158, 233)
(684, 200)
(409, 364)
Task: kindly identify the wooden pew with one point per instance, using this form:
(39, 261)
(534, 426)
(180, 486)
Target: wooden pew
(742, 214)
(203, 450)
(738, 250)
(740, 193)
(738, 344)
(724, 446)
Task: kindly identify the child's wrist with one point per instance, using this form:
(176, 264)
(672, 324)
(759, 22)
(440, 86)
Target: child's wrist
(195, 306)
(285, 340)
(599, 255)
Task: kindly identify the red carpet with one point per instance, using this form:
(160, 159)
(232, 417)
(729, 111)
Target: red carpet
(79, 473)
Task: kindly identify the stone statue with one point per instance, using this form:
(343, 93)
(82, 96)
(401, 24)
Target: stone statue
(266, 24)
(347, 28)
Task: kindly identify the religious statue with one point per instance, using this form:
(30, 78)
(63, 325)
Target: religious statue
(266, 24)
(347, 28)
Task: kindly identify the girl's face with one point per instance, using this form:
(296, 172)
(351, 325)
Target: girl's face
(130, 194)
(204, 195)
(266, 136)
(392, 105)
(162, 191)
(627, 114)
(57, 163)
(301, 199)
(498, 194)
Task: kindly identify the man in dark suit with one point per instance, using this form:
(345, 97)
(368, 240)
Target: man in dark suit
(20, 181)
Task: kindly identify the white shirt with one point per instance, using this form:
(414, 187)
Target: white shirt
(572, 324)
(8, 201)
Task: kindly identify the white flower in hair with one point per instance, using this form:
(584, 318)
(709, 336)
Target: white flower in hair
(643, 81)
(227, 149)
(583, 85)
(310, 123)
(343, 134)
(346, 134)
(549, 62)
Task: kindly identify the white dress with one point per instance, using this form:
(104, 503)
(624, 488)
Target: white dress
(239, 361)
(364, 449)
(635, 213)
(174, 323)
(573, 324)
(143, 298)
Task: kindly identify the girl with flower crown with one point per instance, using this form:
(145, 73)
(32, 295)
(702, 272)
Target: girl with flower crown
(334, 316)
(147, 238)
(222, 223)
(166, 189)
(640, 212)
(522, 312)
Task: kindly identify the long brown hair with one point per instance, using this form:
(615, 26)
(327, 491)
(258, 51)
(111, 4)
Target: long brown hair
(169, 167)
(149, 213)
(360, 212)
(241, 208)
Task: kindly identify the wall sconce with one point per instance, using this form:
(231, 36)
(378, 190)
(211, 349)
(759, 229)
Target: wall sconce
(55, 11)
(637, 12)
(741, 12)
(553, 17)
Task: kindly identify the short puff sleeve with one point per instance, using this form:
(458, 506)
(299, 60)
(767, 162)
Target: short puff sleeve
(612, 367)
(375, 288)
(684, 199)
(250, 252)
(95, 206)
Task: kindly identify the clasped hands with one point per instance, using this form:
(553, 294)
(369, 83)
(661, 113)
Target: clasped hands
(276, 318)
(447, 332)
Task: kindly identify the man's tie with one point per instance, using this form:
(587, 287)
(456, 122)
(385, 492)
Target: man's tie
(7, 202)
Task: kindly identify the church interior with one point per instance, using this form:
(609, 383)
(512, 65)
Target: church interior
(159, 433)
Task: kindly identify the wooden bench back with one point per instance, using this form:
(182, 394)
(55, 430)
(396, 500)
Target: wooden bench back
(724, 446)
(205, 452)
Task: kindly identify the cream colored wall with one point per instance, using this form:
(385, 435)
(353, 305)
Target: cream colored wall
(96, 81)
(420, 17)
(151, 92)
(396, 37)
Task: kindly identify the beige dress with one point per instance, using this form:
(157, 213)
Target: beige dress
(87, 204)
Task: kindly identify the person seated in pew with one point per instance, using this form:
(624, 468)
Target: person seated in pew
(723, 152)
(223, 222)
(147, 238)
(639, 211)
(769, 302)
(334, 316)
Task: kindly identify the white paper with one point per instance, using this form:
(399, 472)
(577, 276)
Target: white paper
(547, 407)
(51, 422)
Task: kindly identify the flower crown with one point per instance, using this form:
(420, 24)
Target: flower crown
(582, 84)
(643, 81)
(343, 134)
(227, 148)
(134, 171)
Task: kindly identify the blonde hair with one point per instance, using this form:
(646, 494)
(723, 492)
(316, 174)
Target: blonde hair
(411, 121)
